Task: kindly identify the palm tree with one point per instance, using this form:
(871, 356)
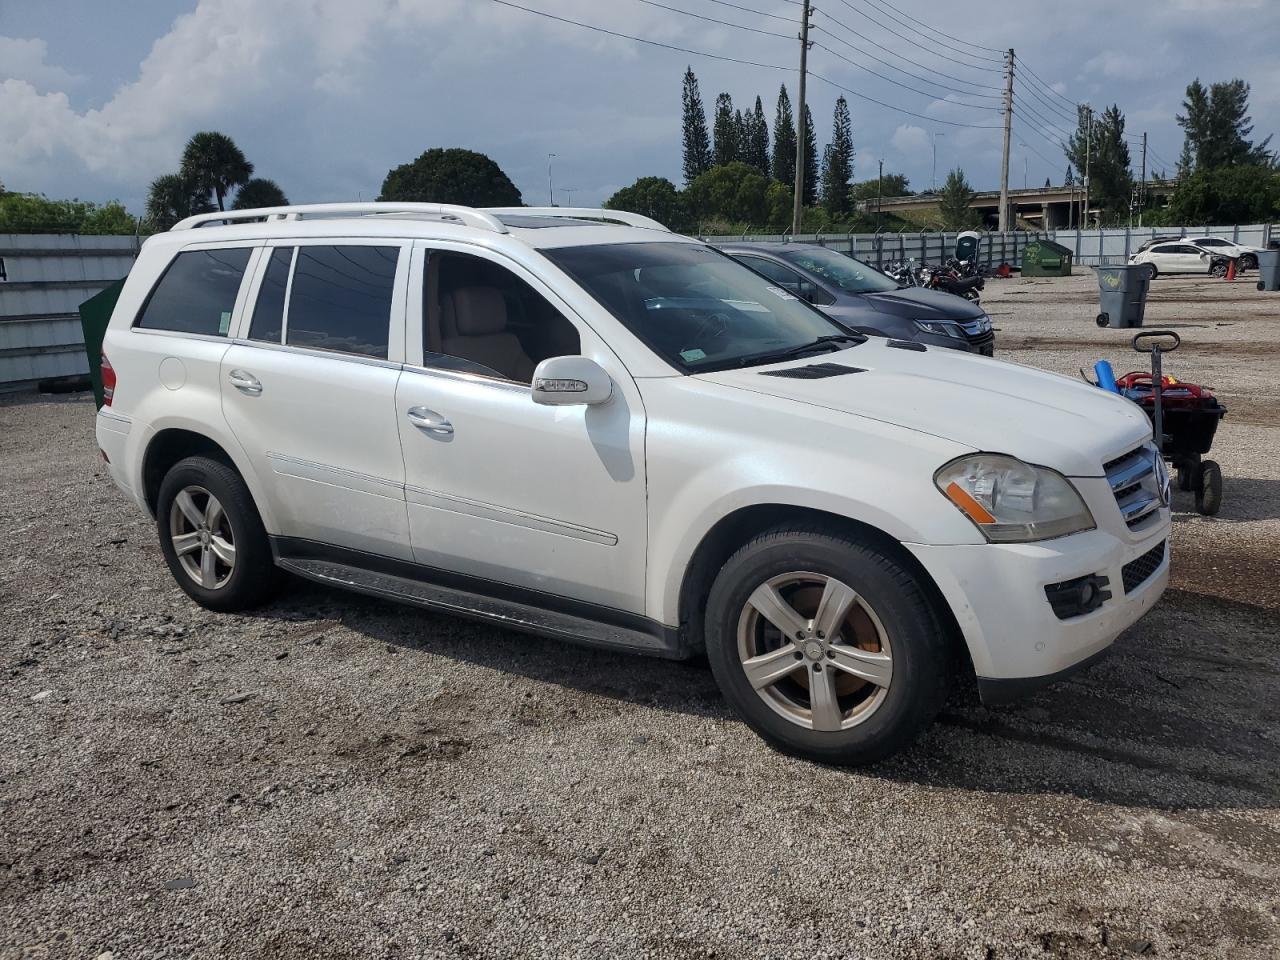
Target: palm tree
(259, 192)
(214, 163)
(173, 197)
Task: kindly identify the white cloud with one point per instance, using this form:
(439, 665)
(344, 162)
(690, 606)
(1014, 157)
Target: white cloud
(910, 140)
(25, 60)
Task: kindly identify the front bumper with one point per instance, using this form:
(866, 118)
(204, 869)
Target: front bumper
(997, 594)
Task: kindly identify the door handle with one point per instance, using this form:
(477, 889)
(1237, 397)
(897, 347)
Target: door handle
(245, 382)
(430, 421)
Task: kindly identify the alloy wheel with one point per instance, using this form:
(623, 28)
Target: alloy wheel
(202, 537)
(815, 651)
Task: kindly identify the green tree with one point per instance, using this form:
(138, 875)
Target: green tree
(837, 162)
(1216, 125)
(654, 197)
(736, 192)
(725, 131)
(1098, 145)
(757, 144)
(259, 192)
(810, 194)
(213, 163)
(451, 175)
(697, 145)
(893, 185)
(1241, 193)
(783, 166)
(32, 213)
(778, 201)
(173, 197)
(954, 202)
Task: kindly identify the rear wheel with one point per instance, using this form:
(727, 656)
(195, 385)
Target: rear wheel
(212, 537)
(827, 647)
(1248, 261)
(1152, 271)
(1208, 488)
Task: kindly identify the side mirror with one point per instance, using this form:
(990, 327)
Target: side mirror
(568, 381)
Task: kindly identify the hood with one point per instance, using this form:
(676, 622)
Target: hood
(984, 404)
(917, 303)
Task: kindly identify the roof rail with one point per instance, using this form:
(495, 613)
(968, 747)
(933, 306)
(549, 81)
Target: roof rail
(445, 211)
(581, 213)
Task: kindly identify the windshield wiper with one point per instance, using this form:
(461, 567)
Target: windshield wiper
(795, 351)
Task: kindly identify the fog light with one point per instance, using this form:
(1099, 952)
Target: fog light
(1075, 598)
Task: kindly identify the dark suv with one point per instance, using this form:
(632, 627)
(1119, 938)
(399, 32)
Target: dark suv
(862, 298)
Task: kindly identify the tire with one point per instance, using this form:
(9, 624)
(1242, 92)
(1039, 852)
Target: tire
(1152, 271)
(1186, 477)
(1248, 261)
(901, 646)
(1218, 270)
(205, 505)
(1209, 489)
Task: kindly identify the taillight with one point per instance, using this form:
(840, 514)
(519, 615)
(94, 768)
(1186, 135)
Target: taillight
(108, 381)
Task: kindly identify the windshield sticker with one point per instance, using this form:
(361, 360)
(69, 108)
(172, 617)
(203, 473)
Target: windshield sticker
(224, 322)
(747, 306)
(693, 355)
(780, 293)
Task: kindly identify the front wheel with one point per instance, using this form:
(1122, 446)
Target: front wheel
(1152, 272)
(827, 647)
(1249, 261)
(212, 537)
(1208, 489)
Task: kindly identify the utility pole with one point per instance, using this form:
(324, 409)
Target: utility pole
(879, 193)
(1142, 197)
(551, 190)
(936, 135)
(1088, 148)
(797, 204)
(1004, 159)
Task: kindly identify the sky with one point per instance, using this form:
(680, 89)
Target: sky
(325, 96)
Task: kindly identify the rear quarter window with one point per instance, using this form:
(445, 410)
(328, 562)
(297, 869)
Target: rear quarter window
(197, 292)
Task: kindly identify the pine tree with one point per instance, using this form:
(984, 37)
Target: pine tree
(697, 145)
(758, 139)
(837, 162)
(742, 135)
(1047, 183)
(1070, 180)
(810, 195)
(1218, 125)
(783, 166)
(1186, 159)
(954, 200)
(725, 131)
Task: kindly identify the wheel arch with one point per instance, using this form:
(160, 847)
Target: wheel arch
(172, 444)
(737, 527)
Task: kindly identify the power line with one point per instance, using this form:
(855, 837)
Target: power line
(1047, 87)
(723, 23)
(889, 106)
(923, 93)
(1025, 110)
(652, 43)
(892, 13)
(894, 53)
(1069, 117)
(915, 41)
(1040, 133)
(758, 13)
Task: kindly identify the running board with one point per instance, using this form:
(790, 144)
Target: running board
(662, 642)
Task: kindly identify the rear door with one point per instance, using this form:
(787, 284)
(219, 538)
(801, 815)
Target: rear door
(309, 386)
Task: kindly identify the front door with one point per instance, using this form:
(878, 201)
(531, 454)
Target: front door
(550, 499)
(308, 389)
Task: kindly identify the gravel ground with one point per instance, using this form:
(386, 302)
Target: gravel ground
(338, 777)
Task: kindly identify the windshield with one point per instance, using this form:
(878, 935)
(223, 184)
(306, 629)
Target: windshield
(696, 308)
(851, 276)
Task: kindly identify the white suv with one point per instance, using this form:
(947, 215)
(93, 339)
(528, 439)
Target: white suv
(607, 433)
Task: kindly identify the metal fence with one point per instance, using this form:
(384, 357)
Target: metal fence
(43, 280)
(1091, 247)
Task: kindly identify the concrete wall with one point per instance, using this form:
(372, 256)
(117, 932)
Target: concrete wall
(47, 277)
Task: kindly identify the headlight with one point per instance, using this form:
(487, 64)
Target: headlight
(940, 327)
(1011, 501)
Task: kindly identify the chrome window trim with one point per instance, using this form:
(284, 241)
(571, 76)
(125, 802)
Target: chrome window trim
(467, 377)
(316, 352)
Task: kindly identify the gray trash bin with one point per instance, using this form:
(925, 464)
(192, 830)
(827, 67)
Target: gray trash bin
(1269, 269)
(1122, 294)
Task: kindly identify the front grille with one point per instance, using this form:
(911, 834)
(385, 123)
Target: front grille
(1136, 572)
(1136, 480)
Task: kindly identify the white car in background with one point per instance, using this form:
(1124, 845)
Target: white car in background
(1176, 256)
(1248, 256)
(611, 434)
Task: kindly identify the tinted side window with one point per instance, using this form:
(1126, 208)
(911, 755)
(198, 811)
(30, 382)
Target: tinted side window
(481, 318)
(341, 299)
(788, 279)
(268, 312)
(197, 293)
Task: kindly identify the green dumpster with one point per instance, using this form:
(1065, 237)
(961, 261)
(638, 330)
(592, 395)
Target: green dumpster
(95, 314)
(1044, 258)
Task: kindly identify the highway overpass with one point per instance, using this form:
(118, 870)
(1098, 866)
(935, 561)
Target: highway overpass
(1043, 207)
